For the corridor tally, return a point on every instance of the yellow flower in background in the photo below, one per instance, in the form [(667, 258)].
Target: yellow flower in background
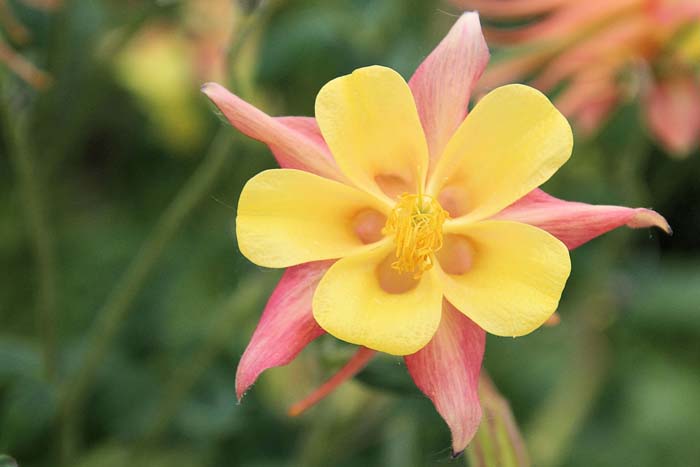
[(155, 68), (164, 60)]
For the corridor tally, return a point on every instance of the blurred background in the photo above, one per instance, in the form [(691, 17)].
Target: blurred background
[(125, 304)]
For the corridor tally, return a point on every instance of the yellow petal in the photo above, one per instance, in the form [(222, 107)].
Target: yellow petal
[(511, 143), (370, 122), (288, 217), (351, 305), (515, 280)]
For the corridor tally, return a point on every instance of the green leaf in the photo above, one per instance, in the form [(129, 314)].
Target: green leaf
[(7, 461), (19, 358), (30, 406), (118, 455), (498, 442)]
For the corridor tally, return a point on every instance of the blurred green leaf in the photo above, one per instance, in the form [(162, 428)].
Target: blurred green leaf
[(569, 402), (19, 358), (7, 461), (30, 406), (115, 455), (671, 287), (108, 179)]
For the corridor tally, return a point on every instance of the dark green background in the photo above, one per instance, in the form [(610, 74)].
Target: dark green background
[(87, 172)]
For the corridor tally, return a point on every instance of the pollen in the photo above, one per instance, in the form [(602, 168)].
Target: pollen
[(416, 224)]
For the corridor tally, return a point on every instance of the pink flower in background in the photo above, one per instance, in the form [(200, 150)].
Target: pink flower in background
[(447, 368), (601, 53)]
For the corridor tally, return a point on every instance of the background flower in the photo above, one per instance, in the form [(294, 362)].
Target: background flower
[(598, 55)]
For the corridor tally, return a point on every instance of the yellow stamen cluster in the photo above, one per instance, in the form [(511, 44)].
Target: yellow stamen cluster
[(416, 223)]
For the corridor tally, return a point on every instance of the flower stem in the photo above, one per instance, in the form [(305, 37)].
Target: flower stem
[(29, 179), (118, 304)]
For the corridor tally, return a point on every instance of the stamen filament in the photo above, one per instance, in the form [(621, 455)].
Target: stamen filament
[(416, 223)]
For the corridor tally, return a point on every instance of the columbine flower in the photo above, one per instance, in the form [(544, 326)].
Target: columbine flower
[(409, 229), (605, 52)]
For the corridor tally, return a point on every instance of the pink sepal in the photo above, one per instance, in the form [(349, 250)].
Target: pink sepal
[(295, 141), (447, 371), (286, 326), (576, 223), (307, 128), (443, 83)]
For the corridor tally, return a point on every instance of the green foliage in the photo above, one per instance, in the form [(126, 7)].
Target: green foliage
[(120, 238)]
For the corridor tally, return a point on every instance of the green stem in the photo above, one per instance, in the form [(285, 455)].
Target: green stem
[(249, 24), (118, 304), (29, 180), (224, 323), (332, 440)]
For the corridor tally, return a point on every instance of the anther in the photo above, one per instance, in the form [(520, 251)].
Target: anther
[(416, 224)]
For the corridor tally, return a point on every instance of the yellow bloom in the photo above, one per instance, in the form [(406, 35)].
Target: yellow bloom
[(407, 228), (434, 238)]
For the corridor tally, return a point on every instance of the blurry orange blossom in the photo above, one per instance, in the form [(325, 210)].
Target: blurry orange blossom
[(601, 53)]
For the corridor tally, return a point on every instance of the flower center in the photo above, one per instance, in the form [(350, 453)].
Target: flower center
[(416, 223)]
